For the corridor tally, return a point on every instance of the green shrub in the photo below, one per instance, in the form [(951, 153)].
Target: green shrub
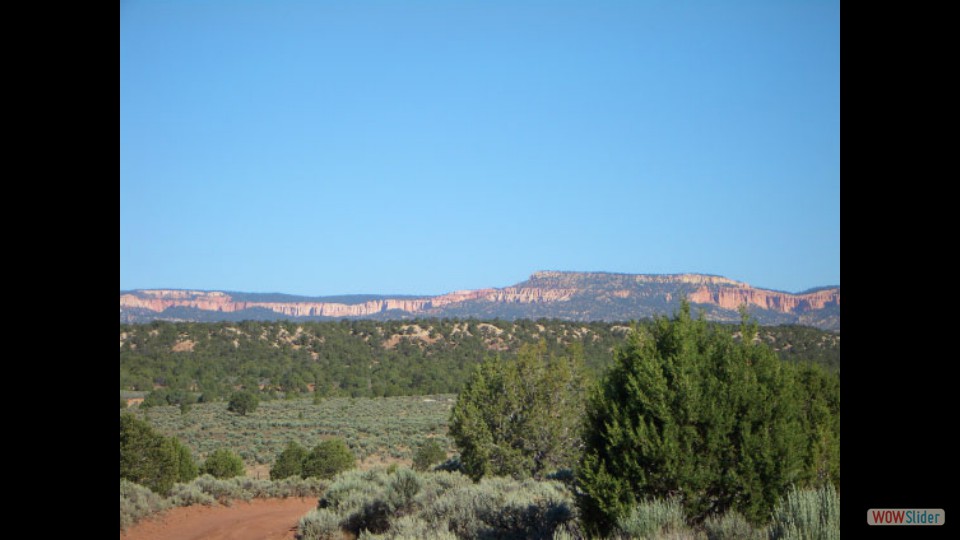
[(462, 510), (401, 490), (351, 490), (528, 514), (223, 463), (373, 516), (410, 528), (807, 515), (503, 508), (407, 504), (245, 488), (320, 524), (653, 519), (138, 502), (731, 526), (289, 462), (328, 459), (297, 487), (361, 500), (428, 454), (190, 495), (243, 402), (221, 490)]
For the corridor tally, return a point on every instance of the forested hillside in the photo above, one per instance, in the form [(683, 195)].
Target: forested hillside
[(186, 361)]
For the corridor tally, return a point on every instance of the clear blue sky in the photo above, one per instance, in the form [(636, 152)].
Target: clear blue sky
[(422, 147)]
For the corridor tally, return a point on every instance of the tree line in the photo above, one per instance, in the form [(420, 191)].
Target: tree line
[(184, 362)]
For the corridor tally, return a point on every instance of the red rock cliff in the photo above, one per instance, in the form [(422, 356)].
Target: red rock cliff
[(543, 287), (159, 300), (734, 297)]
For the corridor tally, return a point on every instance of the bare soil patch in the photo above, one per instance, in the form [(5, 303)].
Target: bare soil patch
[(260, 519)]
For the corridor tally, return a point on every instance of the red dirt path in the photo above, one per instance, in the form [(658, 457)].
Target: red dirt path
[(260, 519)]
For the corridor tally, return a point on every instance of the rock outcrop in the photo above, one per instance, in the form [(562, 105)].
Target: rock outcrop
[(734, 297), (159, 300)]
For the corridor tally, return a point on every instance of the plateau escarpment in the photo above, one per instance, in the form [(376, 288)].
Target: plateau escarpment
[(562, 295)]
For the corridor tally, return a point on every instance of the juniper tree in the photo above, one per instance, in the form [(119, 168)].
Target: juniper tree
[(689, 412), (223, 463), (186, 466), (328, 459), (147, 457), (520, 417), (242, 402), (289, 462)]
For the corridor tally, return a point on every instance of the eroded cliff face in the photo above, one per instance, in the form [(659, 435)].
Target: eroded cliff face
[(543, 288), (781, 302), (158, 300), (627, 279)]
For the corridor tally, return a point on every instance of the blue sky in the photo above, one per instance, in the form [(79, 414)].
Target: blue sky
[(421, 147)]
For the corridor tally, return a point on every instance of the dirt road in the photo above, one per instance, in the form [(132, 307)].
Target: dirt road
[(260, 519)]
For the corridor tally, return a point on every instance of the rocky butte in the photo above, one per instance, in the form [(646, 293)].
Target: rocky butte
[(549, 294)]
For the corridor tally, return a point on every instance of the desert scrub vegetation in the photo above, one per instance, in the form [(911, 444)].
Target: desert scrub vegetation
[(404, 504), (807, 514), (138, 502), (429, 454), (376, 430), (657, 518), (440, 505)]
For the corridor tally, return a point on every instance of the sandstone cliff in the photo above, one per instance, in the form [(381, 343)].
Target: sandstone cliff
[(567, 295)]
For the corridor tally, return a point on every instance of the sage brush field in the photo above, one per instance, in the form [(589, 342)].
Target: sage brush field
[(377, 430), (406, 505)]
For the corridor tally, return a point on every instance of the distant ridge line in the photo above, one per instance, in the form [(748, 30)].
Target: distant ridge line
[(547, 293)]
